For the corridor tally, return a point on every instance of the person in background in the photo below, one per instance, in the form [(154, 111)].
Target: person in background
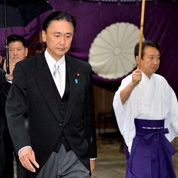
[(146, 109), (17, 51), (52, 92)]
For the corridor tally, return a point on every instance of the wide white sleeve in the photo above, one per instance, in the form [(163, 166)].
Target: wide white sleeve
[(171, 119), (125, 119), (119, 112)]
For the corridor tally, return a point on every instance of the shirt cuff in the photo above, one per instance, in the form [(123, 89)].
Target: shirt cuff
[(92, 158), (23, 148)]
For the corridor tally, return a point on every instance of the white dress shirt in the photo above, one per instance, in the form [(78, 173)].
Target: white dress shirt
[(62, 64)]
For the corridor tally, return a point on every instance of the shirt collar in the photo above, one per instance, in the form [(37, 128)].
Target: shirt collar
[(146, 77), (51, 61)]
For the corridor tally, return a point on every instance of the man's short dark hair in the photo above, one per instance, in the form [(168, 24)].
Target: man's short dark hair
[(145, 44), (14, 38), (59, 15)]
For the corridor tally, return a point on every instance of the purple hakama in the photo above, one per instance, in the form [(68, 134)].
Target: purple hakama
[(151, 151)]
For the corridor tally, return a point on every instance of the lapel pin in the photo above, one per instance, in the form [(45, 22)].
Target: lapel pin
[(77, 76)]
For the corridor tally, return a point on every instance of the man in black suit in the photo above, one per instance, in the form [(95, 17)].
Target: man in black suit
[(50, 115), (17, 51)]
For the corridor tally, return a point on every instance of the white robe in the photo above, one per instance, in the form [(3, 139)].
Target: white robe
[(151, 99)]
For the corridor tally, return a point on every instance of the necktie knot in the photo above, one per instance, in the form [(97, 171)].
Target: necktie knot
[(56, 70)]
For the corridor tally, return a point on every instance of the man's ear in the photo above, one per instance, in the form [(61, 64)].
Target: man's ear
[(43, 35), (26, 52)]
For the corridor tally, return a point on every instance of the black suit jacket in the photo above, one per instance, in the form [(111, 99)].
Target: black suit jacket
[(32, 100), (2, 118), (6, 147)]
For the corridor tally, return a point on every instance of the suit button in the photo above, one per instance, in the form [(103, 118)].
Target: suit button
[(62, 112), (60, 124)]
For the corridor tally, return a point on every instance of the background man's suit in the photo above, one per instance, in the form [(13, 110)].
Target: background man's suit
[(6, 146), (50, 120), (2, 120)]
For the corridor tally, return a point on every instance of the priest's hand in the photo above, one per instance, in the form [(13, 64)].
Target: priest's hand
[(136, 77)]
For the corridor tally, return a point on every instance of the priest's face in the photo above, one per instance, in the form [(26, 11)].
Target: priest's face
[(150, 61)]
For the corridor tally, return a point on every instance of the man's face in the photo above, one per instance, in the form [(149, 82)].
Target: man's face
[(58, 38), (17, 51), (151, 60)]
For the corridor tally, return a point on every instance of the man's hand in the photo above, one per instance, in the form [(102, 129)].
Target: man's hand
[(11, 68), (27, 159), (136, 76), (92, 165)]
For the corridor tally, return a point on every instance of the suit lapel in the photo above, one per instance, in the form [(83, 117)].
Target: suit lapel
[(46, 84), (74, 83)]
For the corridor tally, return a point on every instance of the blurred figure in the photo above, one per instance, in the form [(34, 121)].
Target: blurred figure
[(147, 114), (17, 51)]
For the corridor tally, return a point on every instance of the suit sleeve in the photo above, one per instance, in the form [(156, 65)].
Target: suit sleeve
[(90, 127), (4, 89), (16, 109)]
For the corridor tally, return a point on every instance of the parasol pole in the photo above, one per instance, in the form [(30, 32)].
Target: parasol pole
[(141, 33), (6, 45)]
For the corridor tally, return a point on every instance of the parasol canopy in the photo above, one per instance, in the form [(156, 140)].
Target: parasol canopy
[(20, 13)]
